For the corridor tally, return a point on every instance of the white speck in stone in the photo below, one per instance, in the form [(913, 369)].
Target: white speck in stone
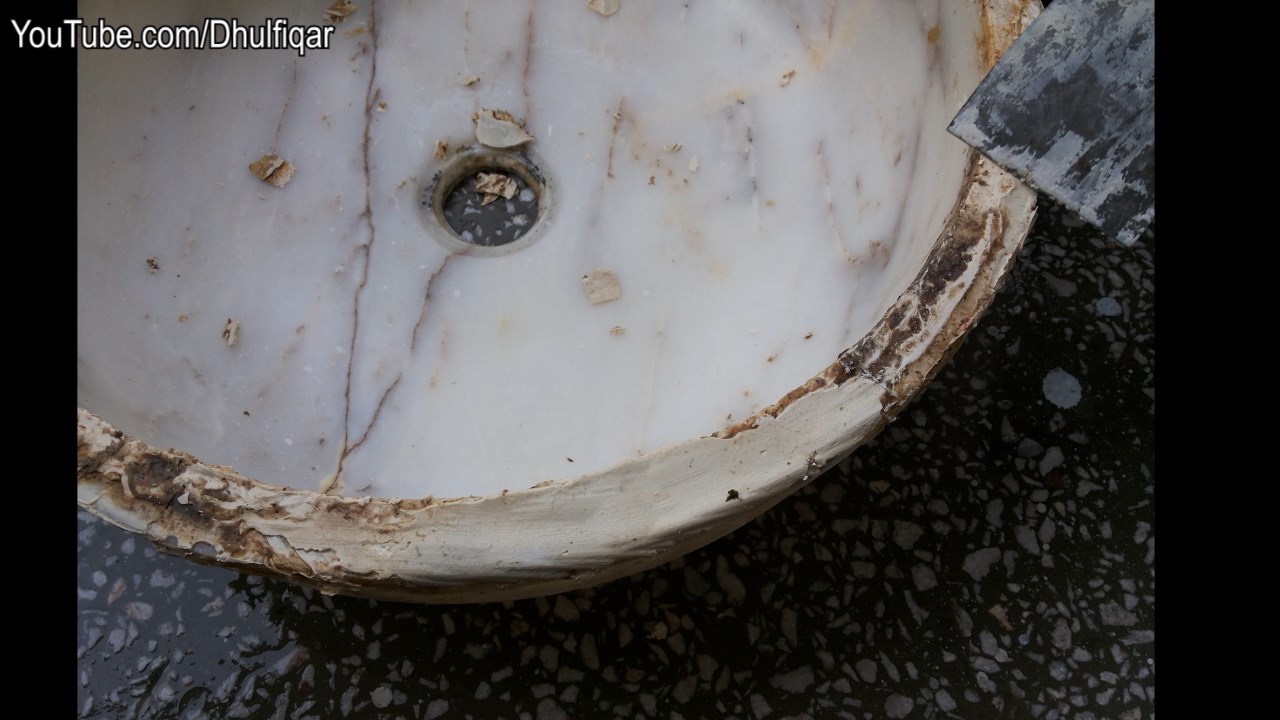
[(905, 534), (979, 562), (1084, 487), (138, 610), (1061, 388), (795, 681), (288, 441), (789, 627), (1107, 306), (866, 670), (946, 703), (1141, 531), (1052, 458), (924, 577), (1065, 288), (898, 706), (587, 649), (889, 667), (995, 511), (437, 708), (550, 657), (1115, 615), (127, 546), (542, 690), (1061, 637), (116, 639), (1047, 530), (1029, 448), (683, 691), (863, 569), (760, 706), (161, 579), (984, 664), (565, 609)]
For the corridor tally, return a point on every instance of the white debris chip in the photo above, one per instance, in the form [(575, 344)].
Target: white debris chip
[(498, 129), (1061, 388), (601, 286), (604, 7)]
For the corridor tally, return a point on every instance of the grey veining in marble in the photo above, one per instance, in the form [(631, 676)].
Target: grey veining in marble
[(757, 221)]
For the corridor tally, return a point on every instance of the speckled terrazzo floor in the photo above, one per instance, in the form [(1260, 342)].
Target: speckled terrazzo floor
[(989, 555)]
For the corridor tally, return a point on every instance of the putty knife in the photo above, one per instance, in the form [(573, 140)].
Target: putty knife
[(1070, 109)]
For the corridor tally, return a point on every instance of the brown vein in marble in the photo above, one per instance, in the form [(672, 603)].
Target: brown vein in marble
[(653, 367), (334, 482), (528, 60), (444, 347), (591, 257), (817, 53), (413, 344), (832, 224), (613, 135), (293, 87), (466, 37), (752, 171), (850, 259)]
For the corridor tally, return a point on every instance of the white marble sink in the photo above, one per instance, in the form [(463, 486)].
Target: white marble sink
[(754, 243)]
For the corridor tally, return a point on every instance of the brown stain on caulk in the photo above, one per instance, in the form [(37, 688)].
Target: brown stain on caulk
[(999, 30)]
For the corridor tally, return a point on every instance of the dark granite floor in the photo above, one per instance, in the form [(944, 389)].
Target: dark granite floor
[(989, 555)]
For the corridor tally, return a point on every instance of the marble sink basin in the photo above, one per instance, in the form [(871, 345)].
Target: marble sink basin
[(493, 300)]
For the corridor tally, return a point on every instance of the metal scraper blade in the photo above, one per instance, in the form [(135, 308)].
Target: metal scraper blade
[(1070, 109)]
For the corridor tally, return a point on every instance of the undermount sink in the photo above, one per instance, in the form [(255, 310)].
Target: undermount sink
[(492, 300)]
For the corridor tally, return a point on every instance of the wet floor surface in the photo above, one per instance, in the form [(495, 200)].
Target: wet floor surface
[(989, 555)]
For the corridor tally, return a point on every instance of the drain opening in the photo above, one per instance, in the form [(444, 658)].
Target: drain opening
[(479, 212), (483, 201)]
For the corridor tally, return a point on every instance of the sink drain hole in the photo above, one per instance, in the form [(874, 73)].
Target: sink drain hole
[(480, 212), (483, 201)]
